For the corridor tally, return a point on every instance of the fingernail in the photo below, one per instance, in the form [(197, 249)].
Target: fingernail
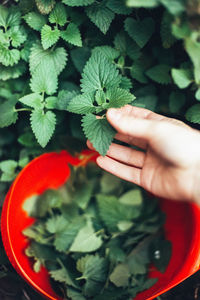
[(114, 114)]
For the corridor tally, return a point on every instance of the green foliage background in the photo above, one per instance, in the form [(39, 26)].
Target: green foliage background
[(150, 47)]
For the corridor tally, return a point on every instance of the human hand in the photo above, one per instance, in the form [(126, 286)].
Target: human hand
[(168, 167)]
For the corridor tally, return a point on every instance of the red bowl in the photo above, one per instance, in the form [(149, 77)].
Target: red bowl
[(51, 170)]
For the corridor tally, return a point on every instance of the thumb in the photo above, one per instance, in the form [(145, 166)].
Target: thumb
[(128, 125)]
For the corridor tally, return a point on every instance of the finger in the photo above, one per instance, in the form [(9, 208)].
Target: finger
[(140, 113), (90, 146), (131, 140), (127, 125), (126, 155), (118, 169)]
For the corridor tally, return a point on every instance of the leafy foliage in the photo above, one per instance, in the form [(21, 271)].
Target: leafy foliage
[(104, 51), (107, 240)]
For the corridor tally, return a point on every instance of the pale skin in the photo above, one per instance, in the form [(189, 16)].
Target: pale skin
[(168, 166)]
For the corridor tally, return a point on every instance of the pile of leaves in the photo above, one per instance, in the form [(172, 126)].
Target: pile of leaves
[(97, 236)]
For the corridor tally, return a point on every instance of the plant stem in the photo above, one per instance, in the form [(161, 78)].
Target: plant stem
[(22, 109)]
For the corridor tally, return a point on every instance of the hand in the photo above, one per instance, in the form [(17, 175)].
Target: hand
[(168, 166)]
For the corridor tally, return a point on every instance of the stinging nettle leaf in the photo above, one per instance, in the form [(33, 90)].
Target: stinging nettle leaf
[(193, 114), (160, 74), (140, 31), (43, 125), (35, 20), (44, 80), (182, 77), (99, 73), (58, 15), (72, 35), (78, 2), (143, 3), (86, 240), (39, 56), (118, 97), (33, 100), (99, 132), (49, 36), (101, 16), (119, 7), (9, 57), (82, 104), (8, 114)]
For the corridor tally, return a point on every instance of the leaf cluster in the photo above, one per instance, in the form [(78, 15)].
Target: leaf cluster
[(84, 57), (97, 236)]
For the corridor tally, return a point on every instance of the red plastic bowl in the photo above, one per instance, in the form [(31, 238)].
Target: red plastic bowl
[(51, 170)]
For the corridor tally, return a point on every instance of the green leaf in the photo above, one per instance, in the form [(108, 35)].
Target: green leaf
[(44, 80), (9, 17), (109, 52), (160, 74), (43, 126), (99, 73), (64, 98), (63, 275), (182, 77), (81, 104), (166, 32), (3, 16), (193, 49), (175, 7), (143, 3), (17, 35), (35, 20), (72, 35), (86, 240), (33, 100), (126, 83), (39, 56), (138, 72), (83, 194), (94, 270), (74, 294), (9, 57), (193, 114), (119, 7), (51, 102), (118, 97), (8, 114), (176, 101), (49, 36), (99, 132), (101, 16), (112, 211), (64, 238), (120, 275), (8, 166), (140, 31), (58, 15), (12, 72), (197, 94), (132, 197), (78, 2)]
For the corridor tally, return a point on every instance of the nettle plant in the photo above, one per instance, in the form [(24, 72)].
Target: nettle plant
[(65, 62)]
